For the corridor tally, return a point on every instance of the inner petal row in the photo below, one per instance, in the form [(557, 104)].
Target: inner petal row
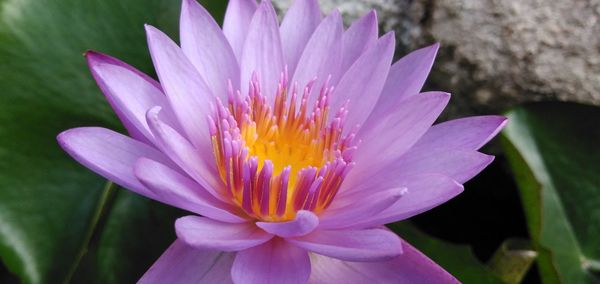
[(276, 159)]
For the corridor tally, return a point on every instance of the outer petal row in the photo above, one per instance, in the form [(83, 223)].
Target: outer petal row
[(204, 44), (181, 263), (297, 27), (409, 267), (262, 52), (237, 20), (110, 154), (130, 93), (361, 85), (322, 55), (395, 132), (189, 95), (274, 262), (279, 262)]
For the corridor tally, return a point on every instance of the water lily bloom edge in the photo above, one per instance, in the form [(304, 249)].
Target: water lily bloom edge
[(294, 143)]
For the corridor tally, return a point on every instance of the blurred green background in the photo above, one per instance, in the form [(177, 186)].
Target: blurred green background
[(60, 223)]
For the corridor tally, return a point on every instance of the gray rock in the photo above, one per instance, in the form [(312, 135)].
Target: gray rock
[(497, 53)]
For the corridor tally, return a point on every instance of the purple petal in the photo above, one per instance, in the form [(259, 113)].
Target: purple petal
[(203, 42), (396, 132), (344, 212), (109, 154), (409, 267), (183, 264), (304, 223), (129, 92), (237, 20), (273, 262), (352, 245), (177, 190), (299, 23), (459, 165), (323, 54), (424, 192), (192, 161), (361, 36), (406, 78), (363, 82), (468, 133), (204, 233), (262, 51), (188, 94)]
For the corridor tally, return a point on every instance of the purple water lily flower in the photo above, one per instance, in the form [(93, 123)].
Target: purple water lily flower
[(294, 144)]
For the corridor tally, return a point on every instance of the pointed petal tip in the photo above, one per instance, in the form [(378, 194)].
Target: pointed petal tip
[(431, 50), (150, 29), (490, 159), (90, 53), (372, 15), (67, 137), (503, 120), (438, 94), (499, 121), (336, 13), (266, 5), (389, 37), (62, 138), (93, 57)]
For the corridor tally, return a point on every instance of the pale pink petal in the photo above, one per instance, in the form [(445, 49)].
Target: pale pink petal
[(203, 42), (304, 223), (204, 233), (262, 51), (344, 212), (237, 20), (322, 55), (352, 245), (408, 268), (298, 25), (361, 36), (394, 134), (274, 262), (363, 82), (109, 154), (177, 190), (424, 191), (188, 158), (468, 133), (460, 165), (181, 263), (188, 94), (129, 92), (406, 78)]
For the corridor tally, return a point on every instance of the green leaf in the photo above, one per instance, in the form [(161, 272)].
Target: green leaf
[(553, 151), (459, 260), (135, 232), (50, 205)]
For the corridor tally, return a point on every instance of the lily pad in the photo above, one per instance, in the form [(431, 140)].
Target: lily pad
[(457, 259), (553, 150)]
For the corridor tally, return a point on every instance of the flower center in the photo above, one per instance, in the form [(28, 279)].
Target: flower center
[(276, 160)]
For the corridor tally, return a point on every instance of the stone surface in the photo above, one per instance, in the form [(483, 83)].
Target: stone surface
[(496, 53)]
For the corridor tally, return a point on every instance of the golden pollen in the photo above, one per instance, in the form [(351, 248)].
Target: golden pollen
[(280, 158)]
